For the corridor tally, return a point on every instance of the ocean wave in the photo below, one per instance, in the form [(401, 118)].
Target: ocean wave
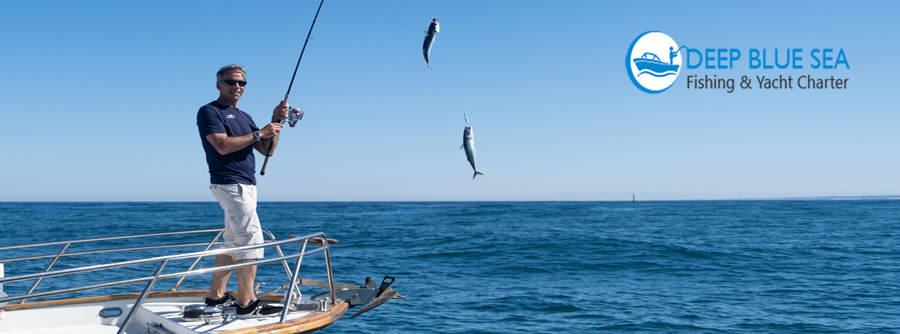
[(541, 267), (664, 74)]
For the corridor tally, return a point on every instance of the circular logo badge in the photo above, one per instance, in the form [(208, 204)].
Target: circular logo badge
[(653, 62)]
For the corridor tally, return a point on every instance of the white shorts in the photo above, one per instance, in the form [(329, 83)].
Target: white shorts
[(241, 222)]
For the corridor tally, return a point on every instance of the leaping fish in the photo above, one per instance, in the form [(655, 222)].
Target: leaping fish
[(433, 29), (469, 145)]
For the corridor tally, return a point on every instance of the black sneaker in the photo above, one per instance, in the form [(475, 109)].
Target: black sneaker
[(257, 309), (226, 301)]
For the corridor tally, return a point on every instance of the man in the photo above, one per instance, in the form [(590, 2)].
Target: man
[(229, 136)]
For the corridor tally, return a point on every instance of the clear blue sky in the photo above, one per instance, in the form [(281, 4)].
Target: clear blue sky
[(100, 100)]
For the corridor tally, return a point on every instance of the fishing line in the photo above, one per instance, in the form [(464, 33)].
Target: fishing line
[(288, 94)]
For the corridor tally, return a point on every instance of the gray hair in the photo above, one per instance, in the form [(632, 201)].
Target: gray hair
[(230, 68)]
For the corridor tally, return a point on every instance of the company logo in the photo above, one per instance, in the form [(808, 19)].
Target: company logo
[(230, 116), (653, 62)]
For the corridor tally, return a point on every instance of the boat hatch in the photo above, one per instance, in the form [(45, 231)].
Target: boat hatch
[(110, 312)]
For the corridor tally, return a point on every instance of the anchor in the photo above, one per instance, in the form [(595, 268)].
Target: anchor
[(355, 295)]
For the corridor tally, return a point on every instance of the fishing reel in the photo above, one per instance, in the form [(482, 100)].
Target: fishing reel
[(293, 116)]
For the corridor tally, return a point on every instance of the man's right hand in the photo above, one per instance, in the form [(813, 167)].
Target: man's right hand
[(270, 130)]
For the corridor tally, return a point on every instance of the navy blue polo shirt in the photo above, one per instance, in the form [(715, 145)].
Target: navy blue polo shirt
[(235, 167)]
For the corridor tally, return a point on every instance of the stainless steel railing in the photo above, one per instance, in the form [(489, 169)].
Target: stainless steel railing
[(66, 244), (163, 261)]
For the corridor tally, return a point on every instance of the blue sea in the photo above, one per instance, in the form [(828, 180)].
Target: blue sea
[(541, 267)]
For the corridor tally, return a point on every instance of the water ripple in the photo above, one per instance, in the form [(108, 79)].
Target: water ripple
[(583, 267)]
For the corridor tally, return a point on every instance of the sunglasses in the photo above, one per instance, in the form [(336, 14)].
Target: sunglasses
[(231, 82)]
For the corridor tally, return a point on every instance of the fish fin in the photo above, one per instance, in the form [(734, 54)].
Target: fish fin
[(476, 174), (461, 146)]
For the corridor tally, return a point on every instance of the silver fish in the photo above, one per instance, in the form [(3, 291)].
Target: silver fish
[(433, 29), (469, 145)]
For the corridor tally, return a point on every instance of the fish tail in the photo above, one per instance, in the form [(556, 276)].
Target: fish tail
[(476, 174)]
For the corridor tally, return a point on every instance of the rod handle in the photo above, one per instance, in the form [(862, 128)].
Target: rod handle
[(269, 151), (265, 163)]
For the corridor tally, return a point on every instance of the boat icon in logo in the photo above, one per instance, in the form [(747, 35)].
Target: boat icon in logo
[(649, 63), (642, 59)]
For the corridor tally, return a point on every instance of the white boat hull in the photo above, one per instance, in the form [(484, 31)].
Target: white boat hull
[(77, 316)]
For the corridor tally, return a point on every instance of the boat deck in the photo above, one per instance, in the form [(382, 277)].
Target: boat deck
[(81, 316), (168, 314)]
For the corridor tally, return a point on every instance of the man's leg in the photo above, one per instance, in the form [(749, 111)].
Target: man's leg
[(229, 197), (246, 277), (220, 278), (242, 229)]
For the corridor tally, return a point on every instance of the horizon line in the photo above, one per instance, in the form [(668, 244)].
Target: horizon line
[(811, 198)]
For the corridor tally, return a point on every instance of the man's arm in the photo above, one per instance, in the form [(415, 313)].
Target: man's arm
[(225, 144), (280, 113), (263, 145)]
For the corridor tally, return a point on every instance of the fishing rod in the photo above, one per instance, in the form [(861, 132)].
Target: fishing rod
[(292, 119)]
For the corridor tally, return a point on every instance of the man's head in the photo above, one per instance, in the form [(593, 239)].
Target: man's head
[(230, 81)]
